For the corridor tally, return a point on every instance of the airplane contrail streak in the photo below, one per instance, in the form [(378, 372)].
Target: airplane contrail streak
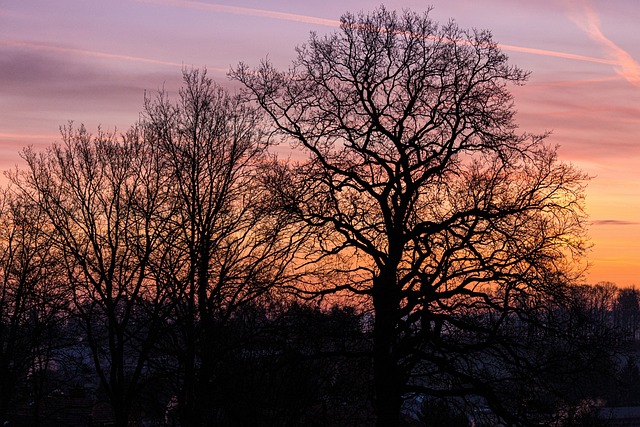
[(237, 10), (545, 52), (84, 52), (216, 7), (625, 66)]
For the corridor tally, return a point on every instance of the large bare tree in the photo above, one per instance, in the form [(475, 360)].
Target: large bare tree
[(424, 197)]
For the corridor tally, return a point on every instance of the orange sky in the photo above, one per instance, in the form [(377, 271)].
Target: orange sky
[(92, 61)]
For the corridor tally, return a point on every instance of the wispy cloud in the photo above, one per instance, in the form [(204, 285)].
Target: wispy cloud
[(587, 19), (26, 136), (613, 222)]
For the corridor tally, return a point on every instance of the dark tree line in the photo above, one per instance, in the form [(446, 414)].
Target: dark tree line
[(420, 262)]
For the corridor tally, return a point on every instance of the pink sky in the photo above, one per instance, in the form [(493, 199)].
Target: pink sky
[(92, 61)]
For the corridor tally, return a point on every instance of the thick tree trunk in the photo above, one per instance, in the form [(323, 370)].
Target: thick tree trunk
[(386, 374)]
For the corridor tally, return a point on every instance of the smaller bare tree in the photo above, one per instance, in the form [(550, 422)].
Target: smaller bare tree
[(230, 246), (103, 200), (31, 303)]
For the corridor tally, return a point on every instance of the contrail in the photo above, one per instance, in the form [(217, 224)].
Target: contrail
[(84, 52), (97, 54), (625, 66), (556, 54), (215, 7)]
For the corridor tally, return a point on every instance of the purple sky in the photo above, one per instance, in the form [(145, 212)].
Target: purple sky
[(91, 61)]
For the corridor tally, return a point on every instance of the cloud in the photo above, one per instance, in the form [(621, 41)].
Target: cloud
[(613, 222), (587, 19), (27, 136), (42, 75), (42, 89)]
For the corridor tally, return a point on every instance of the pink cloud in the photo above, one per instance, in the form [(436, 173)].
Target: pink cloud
[(26, 136)]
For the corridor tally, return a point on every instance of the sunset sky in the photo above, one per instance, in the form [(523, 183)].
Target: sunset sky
[(91, 61)]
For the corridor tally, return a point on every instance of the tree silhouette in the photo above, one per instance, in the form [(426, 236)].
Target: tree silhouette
[(424, 198), (103, 198), (230, 248), (31, 302), (627, 312)]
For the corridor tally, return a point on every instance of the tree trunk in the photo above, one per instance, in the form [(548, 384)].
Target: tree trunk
[(187, 404), (386, 374), (186, 398), (120, 408)]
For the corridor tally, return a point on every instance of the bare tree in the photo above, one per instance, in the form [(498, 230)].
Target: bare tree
[(627, 312), (231, 249), (30, 302), (424, 198), (104, 201)]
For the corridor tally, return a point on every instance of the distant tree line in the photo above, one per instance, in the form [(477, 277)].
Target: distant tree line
[(419, 265)]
